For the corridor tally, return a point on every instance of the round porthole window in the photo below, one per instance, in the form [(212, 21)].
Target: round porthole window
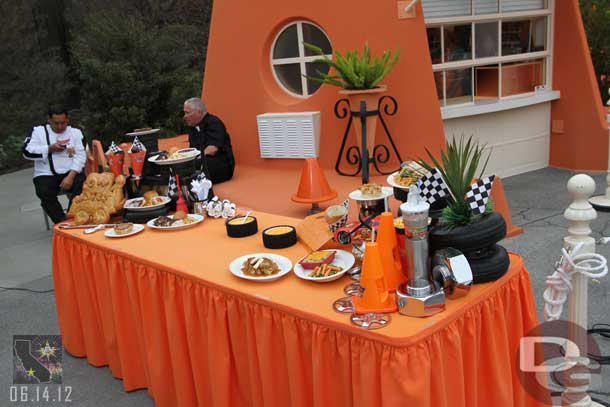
[(290, 60)]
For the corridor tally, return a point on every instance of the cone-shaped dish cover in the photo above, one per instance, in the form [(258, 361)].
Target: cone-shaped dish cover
[(373, 279), (388, 248), (313, 186)]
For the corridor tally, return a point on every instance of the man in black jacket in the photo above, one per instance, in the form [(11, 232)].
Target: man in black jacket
[(208, 134)]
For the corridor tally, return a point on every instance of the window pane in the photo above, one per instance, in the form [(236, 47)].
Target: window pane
[(522, 76), (523, 36), (434, 43), (446, 8), (459, 86), (458, 42), (286, 45), (486, 82), (312, 69), (486, 39), (290, 76), (438, 80), (313, 35), (539, 34), (522, 5), (485, 6)]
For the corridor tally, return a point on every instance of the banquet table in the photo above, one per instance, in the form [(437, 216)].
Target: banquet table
[(162, 310)]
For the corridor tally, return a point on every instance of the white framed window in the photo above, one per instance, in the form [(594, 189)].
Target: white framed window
[(486, 51), (290, 60)]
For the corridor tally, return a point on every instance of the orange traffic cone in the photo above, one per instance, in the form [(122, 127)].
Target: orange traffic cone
[(313, 187), (376, 297), (388, 247)]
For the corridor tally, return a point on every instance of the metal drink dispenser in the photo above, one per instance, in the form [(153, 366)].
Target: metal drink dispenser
[(415, 217), (418, 297)]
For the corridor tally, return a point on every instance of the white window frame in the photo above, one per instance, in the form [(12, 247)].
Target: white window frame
[(502, 102), (302, 59)]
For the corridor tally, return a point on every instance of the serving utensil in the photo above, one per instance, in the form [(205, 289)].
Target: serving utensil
[(89, 226)]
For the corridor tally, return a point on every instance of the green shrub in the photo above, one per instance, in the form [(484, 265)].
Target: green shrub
[(133, 75), (596, 19)]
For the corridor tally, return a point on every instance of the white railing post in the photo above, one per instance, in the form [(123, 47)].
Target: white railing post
[(579, 215)]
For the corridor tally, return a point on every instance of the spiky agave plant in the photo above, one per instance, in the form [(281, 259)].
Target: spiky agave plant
[(354, 70), (458, 165)]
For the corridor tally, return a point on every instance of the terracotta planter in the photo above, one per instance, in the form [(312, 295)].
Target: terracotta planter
[(370, 97)]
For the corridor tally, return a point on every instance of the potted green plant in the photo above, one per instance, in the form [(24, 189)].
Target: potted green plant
[(359, 76), (475, 235)]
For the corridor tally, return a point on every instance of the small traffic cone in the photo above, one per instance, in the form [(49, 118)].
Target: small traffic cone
[(137, 162), (313, 187), (388, 247), (115, 162), (376, 297), (180, 204)]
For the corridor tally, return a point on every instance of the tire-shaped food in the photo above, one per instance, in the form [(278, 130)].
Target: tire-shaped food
[(484, 232), (490, 268)]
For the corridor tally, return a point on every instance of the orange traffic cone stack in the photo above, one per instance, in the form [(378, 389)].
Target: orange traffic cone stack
[(376, 297), (388, 247), (313, 187)]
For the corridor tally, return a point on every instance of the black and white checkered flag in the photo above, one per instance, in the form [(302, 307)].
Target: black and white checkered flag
[(432, 187), (172, 188), (137, 145), (478, 194), (114, 149)]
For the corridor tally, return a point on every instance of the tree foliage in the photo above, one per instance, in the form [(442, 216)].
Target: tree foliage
[(133, 75), (596, 19)]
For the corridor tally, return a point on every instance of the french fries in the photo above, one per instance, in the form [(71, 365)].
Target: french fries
[(325, 270)]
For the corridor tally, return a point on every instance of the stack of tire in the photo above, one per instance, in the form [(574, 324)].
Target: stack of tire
[(478, 241)]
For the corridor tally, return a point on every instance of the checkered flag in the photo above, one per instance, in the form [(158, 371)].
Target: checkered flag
[(432, 187), (172, 188), (114, 149), (478, 194), (137, 145)]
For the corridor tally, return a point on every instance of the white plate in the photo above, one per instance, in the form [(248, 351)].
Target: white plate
[(283, 263), (144, 208), (199, 219), (357, 195), (394, 184), (191, 155), (136, 229), (142, 132), (342, 259)]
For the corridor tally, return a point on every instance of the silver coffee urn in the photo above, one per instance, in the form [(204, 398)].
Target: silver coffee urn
[(419, 296)]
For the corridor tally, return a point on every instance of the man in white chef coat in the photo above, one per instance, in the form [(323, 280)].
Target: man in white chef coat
[(58, 152)]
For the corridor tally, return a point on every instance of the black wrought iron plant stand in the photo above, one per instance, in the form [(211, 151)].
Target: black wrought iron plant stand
[(386, 105)]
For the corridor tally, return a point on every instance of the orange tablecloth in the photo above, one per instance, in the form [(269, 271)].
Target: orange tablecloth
[(163, 311)]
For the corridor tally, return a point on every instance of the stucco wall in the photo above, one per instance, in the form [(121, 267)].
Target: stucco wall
[(238, 82)]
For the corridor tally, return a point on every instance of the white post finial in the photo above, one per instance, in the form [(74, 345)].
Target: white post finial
[(580, 213)]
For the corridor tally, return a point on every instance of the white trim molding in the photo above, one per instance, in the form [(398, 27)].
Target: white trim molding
[(490, 106)]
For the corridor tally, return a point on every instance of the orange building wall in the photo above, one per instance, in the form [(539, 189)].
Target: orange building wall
[(579, 138), (238, 81)]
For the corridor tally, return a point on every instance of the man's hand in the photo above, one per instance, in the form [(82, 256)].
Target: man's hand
[(210, 150), (66, 183), (56, 148)]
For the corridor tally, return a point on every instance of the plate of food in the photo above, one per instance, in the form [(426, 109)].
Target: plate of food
[(260, 267), (369, 192), (322, 266), (151, 200), (123, 230), (142, 132), (175, 156), (178, 220), (410, 172)]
